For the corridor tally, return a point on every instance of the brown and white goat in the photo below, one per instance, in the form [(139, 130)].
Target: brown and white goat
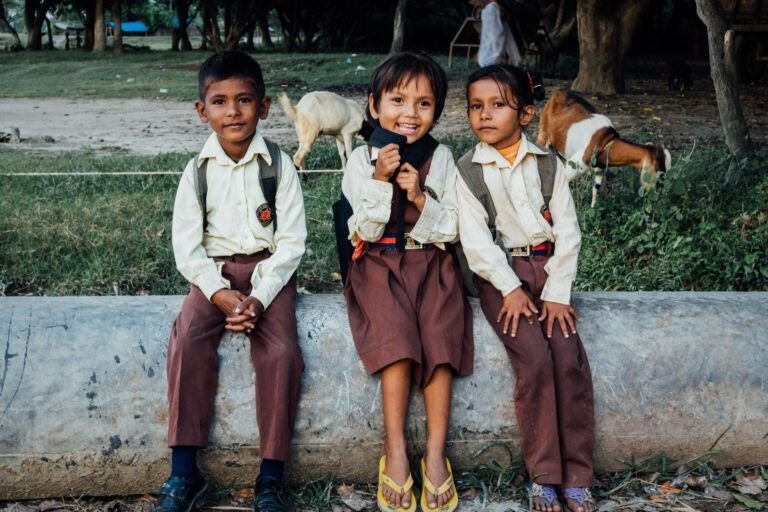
[(572, 126), (323, 113)]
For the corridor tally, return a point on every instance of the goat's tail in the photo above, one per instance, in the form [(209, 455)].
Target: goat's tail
[(285, 103)]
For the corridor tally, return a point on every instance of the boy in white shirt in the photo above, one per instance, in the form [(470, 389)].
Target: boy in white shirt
[(238, 235)]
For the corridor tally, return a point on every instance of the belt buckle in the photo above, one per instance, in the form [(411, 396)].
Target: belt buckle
[(520, 251), (410, 243)]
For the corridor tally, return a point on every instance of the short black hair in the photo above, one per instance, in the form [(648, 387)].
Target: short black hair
[(400, 68), (523, 86), (230, 64)]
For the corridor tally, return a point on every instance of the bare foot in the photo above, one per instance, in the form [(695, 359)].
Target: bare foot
[(437, 473), (398, 469)]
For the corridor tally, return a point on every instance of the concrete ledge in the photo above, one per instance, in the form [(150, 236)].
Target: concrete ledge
[(83, 408)]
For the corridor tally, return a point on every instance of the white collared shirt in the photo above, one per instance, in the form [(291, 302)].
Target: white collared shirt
[(516, 193), (371, 199), (234, 196)]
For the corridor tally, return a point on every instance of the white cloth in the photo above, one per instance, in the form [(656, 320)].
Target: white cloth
[(234, 196), (497, 44), (371, 199), (516, 193)]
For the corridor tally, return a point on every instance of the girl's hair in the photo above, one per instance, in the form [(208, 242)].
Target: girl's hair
[(399, 69), (523, 86)]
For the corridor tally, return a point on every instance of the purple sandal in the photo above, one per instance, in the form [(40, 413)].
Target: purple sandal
[(578, 494), (547, 493)]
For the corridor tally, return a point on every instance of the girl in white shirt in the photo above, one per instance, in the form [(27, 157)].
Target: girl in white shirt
[(408, 315), (524, 268)]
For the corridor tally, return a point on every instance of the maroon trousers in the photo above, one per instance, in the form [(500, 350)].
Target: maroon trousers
[(553, 396), (192, 364)]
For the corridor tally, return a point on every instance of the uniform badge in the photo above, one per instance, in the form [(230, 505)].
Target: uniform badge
[(431, 193), (264, 214)]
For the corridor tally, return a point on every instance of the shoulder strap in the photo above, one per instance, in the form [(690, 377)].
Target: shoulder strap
[(201, 187), (269, 176), (472, 173), (547, 165)]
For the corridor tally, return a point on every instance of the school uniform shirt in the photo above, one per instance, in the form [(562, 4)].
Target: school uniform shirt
[(371, 199), (234, 196), (516, 193)]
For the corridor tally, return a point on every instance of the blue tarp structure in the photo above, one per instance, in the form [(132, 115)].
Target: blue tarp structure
[(131, 26)]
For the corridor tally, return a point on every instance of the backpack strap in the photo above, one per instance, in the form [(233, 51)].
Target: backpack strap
[(547, 165), (200, 181), (269, 179), (269, 176), (472, 172)]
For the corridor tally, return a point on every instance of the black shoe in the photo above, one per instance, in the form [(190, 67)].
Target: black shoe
[(266, 496), (179, 494)]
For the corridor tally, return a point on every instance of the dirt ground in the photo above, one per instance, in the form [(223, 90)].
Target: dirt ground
[(647, 112)]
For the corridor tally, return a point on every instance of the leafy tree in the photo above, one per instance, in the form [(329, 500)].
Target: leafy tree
[(34, 17)]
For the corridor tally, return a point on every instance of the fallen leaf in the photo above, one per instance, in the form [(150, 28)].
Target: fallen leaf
[(245, 493), (49, 505), (749, 502), (471, 493), (747, 483), (664, 489), (335, 507), (345, 491), (718, 493)]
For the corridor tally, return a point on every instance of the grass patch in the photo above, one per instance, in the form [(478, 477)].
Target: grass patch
[(79, 74), (99, 235)]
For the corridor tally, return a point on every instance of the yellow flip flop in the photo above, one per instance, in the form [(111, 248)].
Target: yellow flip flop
[(429, 487), (384, 506)]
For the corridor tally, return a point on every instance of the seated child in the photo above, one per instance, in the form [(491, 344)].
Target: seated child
[(238, 235), (522, 241)]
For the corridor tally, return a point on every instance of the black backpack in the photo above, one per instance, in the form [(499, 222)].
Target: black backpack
[(472, 173), (269, 178)]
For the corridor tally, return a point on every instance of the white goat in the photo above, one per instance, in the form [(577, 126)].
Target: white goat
[(323, 113)]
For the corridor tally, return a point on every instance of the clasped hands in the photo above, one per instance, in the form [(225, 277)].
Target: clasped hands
[(242, 311), (407, 179)]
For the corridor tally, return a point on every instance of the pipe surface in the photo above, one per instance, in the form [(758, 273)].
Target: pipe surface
[(83, 392)]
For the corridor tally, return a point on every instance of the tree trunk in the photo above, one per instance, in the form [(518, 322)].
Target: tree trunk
[(180, 38), (34, 17), (211, 24), (723, 71), (50, 33), (266, 39), (11, 30), (563, 26), (117, 33), (99, 36), (605, 35), (398, 33)]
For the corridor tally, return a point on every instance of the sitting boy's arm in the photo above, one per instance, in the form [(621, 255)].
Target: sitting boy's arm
[(561, 267), (272, 274), (484, 257), (187, 237)]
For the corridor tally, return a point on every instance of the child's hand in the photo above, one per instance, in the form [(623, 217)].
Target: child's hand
[(516, 303), (228, 301), (563, 313), (387, 162), (408, 180), (247, 314)]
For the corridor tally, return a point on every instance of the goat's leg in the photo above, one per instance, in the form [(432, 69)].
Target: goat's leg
[(305, 146), (596, 187), (340, 149)]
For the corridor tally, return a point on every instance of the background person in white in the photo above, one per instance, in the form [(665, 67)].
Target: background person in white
[(497, 44)]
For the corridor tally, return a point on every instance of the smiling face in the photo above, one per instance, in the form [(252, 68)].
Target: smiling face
[(408, 109), (233, 109), (495, 117)]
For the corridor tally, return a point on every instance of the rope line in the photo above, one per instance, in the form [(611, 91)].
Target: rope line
[(140, 173)]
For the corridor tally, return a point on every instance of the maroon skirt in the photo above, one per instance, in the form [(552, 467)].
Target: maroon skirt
[(409, 305)]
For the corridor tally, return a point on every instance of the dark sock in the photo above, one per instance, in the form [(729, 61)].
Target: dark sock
[(184, 461), (272, 469)]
